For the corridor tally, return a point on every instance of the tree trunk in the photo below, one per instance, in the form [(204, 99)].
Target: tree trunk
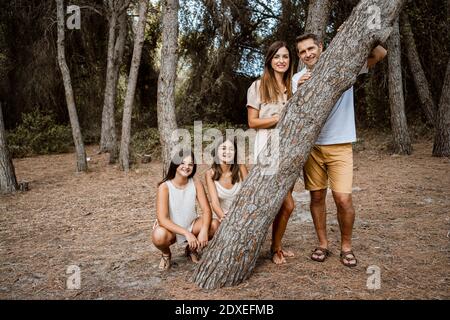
[(166, 81), (106, 137), (441, 146), (118, 54), (74, 123), (317, 20), (131, 88), (402, 141), (232, 254), (420, 80), (318, 14), (116, 44), (8, 181)]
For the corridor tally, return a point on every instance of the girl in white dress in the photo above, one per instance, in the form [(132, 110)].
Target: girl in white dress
[(177, 219), (224, 179)]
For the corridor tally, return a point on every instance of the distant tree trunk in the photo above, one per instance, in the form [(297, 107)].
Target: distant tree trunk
[(131, 88), (107, 133), (317, 20), (76, 132), (232, 254), (420, 80), (402, 141), (441, 146), (438, 116), (8, 181), (166, 81), (119, 49), (318, 14), (117, 17)]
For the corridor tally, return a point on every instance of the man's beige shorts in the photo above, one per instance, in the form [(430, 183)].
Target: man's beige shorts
[(330, 162)]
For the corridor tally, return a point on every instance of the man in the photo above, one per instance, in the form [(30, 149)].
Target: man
[(331, 158)]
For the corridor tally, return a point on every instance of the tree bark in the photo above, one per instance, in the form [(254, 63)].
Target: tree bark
[(318, 14), (402, 141), (116, 44), (166, 81), (232, 254), (107, 133), (441, 145), (420, 80), (131, 88), (8, 181), (76, 131), (316, 21)]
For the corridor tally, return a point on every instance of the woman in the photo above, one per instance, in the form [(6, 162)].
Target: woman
[(225, 177), (266, 99), (177, 219)]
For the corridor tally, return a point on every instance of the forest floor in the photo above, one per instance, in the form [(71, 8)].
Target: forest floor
[(101, 222)]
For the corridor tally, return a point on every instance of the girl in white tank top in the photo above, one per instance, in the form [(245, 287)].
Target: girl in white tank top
[(177, 220), (224, 179), (182, 210)]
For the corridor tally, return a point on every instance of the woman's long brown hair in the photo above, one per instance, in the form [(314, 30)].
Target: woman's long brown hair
[(269, 90)]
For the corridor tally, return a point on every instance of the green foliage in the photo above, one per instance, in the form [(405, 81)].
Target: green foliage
[(39, 134), (221, 51), (145, 141)]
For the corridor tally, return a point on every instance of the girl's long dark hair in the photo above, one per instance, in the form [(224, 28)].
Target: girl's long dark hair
[(182, 154), (235, 172), (269, 90)]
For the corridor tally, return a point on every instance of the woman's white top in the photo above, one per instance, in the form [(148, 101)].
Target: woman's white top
[(266, 110), (226, 196), (182, 208)]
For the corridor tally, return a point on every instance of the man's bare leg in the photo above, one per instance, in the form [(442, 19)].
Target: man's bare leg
[(318, 213), (346, 219)]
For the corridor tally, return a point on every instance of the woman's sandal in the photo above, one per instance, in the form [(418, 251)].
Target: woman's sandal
[(287, 253), (164, 264), (350, 257), (320, 254), (192, 255), (278, 257)]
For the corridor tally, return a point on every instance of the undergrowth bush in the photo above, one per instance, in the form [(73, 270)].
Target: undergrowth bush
[(39, 134)]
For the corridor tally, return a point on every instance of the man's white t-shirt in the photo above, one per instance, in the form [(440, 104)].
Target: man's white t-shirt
[(340, 125)]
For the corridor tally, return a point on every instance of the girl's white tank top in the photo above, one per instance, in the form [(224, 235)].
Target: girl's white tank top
[(182, 208), (226, 196)]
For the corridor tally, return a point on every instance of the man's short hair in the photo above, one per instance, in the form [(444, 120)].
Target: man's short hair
[(317, 40)]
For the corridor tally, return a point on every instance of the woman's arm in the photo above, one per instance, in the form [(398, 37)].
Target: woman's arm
[(243, 170), (162, 211), (206, 213), (255, 122), (215, 203)]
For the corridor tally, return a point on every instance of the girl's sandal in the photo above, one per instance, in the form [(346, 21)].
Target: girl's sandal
[(192, 255), (320, 254), (348, 259), (164, 264)]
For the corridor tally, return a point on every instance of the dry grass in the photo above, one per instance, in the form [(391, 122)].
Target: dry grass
[(101, 221)]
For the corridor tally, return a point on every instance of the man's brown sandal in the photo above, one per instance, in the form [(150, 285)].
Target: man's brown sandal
[(164, 264), (320, 254), (348, 259)]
